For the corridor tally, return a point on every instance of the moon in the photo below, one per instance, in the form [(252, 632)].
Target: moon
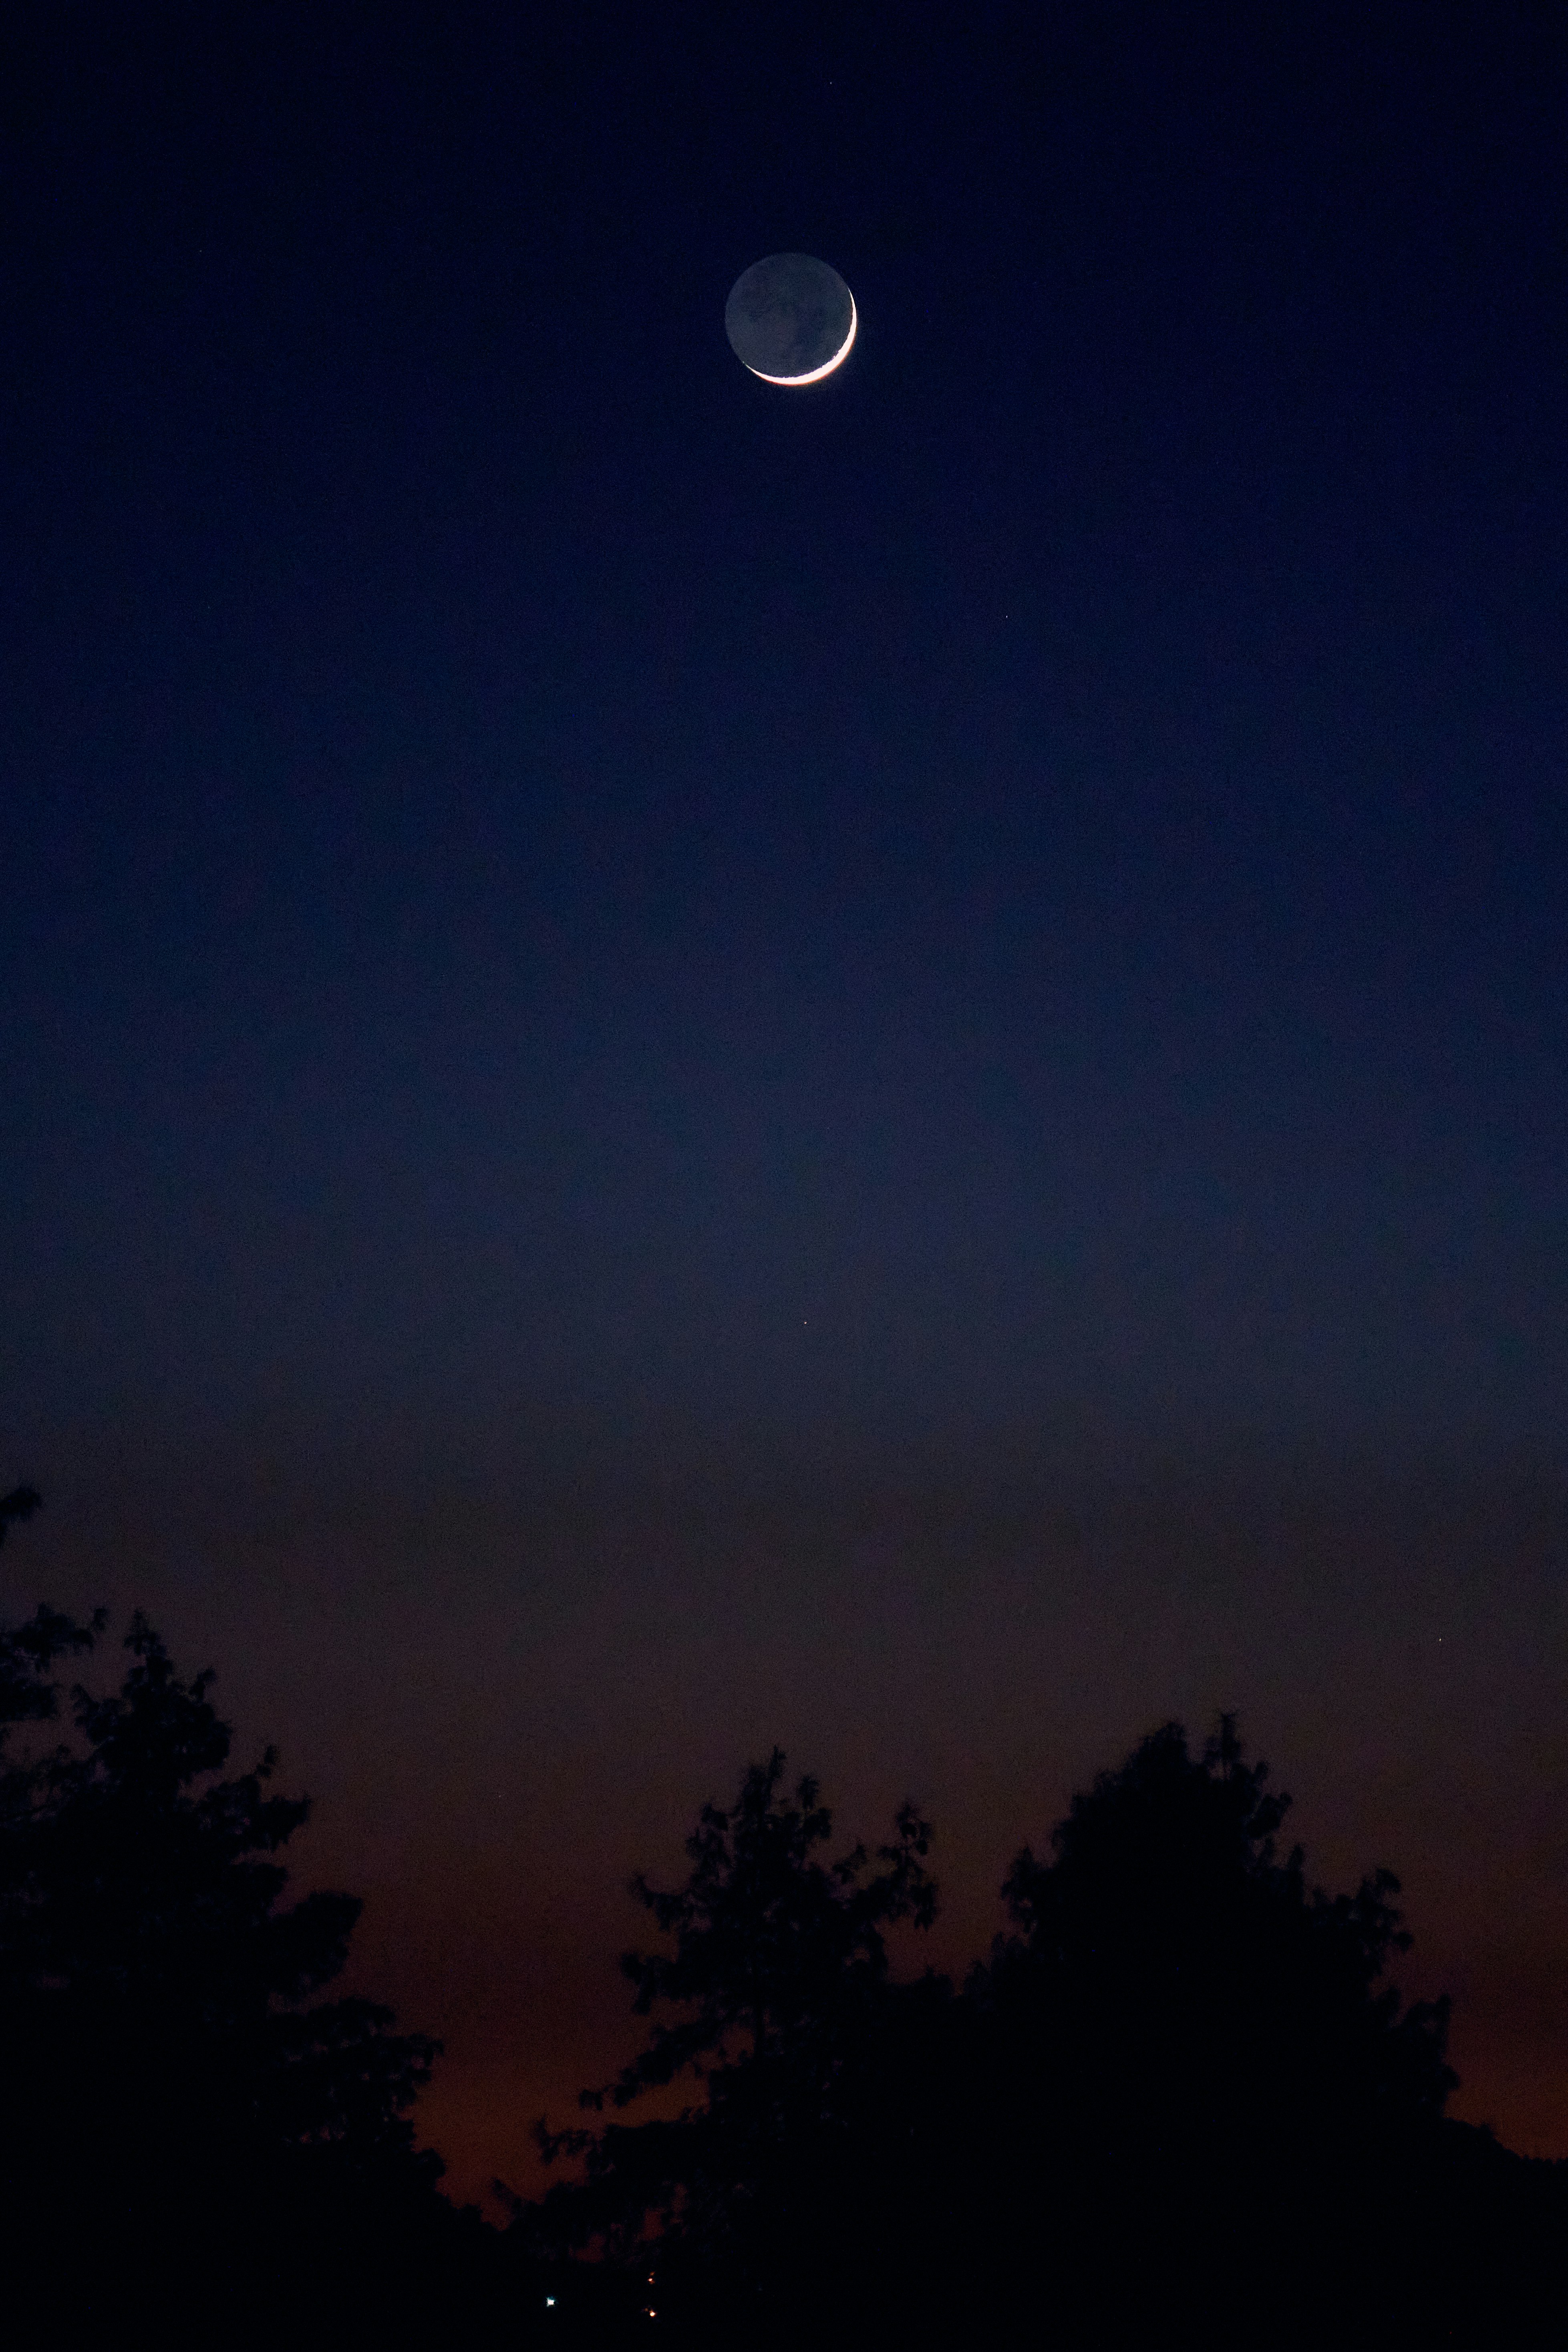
[(790, 318)]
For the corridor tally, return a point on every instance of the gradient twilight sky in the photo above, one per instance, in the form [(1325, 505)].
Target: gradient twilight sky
[(883, 1067)]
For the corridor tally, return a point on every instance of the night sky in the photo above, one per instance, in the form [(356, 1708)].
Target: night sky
[(884, 1067)]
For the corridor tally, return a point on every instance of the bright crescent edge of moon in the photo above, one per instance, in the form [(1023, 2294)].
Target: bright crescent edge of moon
[(815, 375)]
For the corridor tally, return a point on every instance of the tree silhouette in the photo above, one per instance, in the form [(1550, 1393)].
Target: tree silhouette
[(151, 1917), (773, 1948), (1206, 2102), (1203, 1980), (19, 1503), (172, 2080), (779, 1981), (1181, 2101)]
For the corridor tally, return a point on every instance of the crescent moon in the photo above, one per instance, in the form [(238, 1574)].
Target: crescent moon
[(815, 375)]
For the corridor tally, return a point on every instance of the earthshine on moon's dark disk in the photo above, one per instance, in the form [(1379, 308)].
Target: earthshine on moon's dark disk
[(790, 318)]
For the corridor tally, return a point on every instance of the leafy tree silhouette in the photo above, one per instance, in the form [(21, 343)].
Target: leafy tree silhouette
[(19, 1503), (153, 1916), (1202, 1978), (773, 1948), (1182, 2098), (1181, 2101), (779, 1979), (1205, 2100), (174, 2085)]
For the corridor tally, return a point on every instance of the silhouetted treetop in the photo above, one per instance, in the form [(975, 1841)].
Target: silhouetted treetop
[(1181, 2104), (27, 1692), (193, 2143), (778, 1978), (19, 1503), (1195, 1962), (1182, 2101), (149, 1965), (148, 1870), (770, 1941)]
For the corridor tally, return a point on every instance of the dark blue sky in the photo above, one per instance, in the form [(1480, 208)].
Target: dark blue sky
[(573, 916)]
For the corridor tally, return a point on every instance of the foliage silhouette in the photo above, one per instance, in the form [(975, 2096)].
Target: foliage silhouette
[(779, 1977), (1186, 2050), (175, 2091), (1181, 2100), (19, 1503), (1202, 1980), (771, 1944)]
